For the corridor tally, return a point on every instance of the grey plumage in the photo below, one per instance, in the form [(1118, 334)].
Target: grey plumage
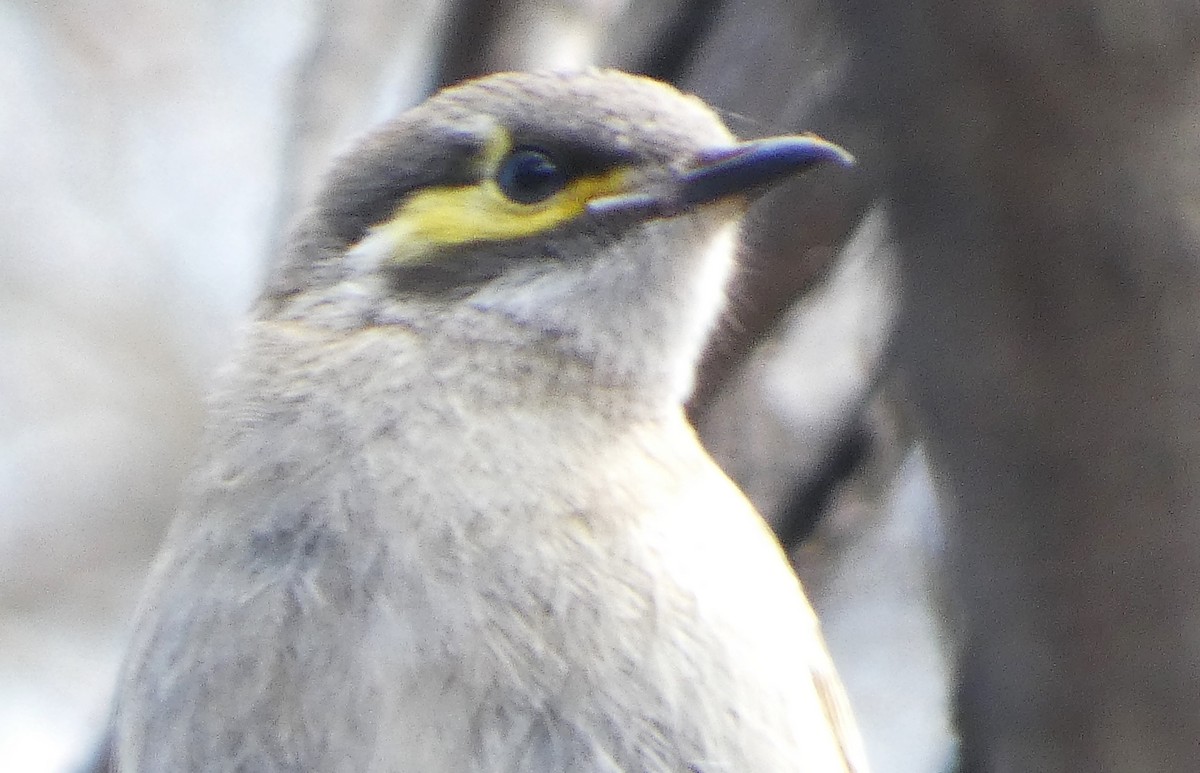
[(472, 530)]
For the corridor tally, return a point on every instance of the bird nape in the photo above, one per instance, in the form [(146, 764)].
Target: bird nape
[(448, 513)]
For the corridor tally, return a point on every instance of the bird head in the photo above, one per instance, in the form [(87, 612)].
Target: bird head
[(592, 211)]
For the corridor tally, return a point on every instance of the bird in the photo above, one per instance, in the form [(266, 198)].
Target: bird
[(448, 512)]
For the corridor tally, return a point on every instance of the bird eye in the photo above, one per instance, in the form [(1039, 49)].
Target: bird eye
[(528, 176)]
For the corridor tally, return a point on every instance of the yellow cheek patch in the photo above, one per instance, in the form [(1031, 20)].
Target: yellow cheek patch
[(436, 218)]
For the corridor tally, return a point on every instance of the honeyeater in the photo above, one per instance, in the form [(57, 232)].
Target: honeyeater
[(449, 515)]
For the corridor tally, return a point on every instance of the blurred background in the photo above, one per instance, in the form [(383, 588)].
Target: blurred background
[(961, 381)]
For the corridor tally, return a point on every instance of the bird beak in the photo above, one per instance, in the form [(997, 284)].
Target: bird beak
[(744, 169)]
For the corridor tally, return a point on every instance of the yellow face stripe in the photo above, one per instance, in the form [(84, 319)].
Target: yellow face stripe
[(435, 218)]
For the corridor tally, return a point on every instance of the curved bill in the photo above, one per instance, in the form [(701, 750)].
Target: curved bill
[(739, 170)]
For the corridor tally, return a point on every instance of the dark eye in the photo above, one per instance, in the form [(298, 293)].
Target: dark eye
[(528, 176)]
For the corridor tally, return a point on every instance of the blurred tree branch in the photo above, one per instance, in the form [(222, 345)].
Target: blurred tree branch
[(1041, 158)]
